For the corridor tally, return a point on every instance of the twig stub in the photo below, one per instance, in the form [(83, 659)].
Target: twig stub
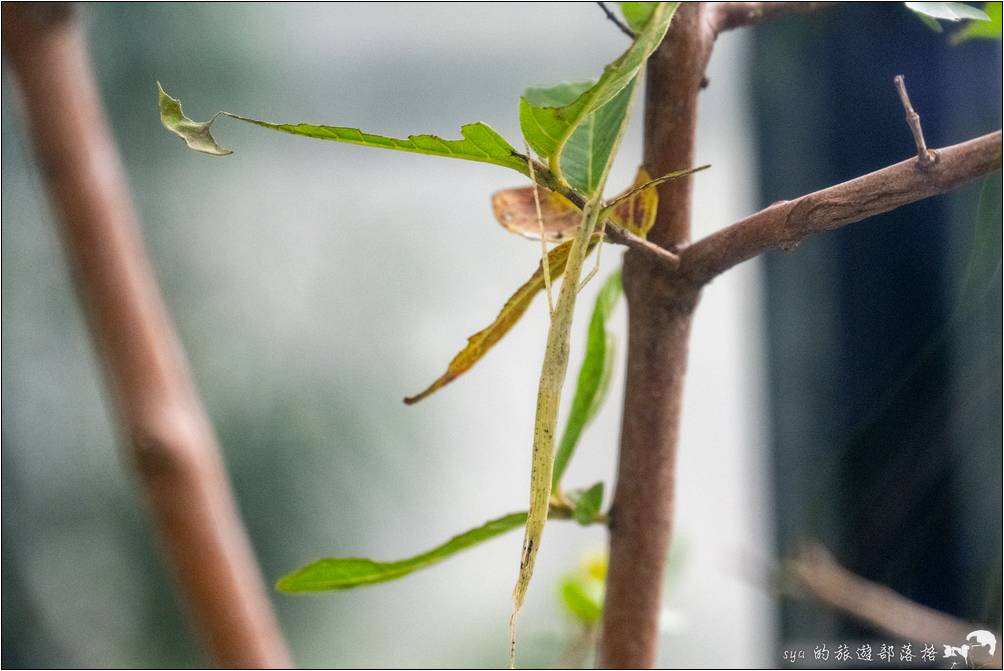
[(925, 156)]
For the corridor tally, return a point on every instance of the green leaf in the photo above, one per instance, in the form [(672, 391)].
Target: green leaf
[(479, 141), (930, 23), (637, 14), (195, 134), (588, 504), (985, 257), (581, 591), (588, 149), (974, 30), (346, 573), (582, 599), (549, 127), (594, 375), (947, 11)]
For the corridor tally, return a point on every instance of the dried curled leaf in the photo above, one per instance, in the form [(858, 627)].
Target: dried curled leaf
[(515, 210), (195, 133), (636, 213)]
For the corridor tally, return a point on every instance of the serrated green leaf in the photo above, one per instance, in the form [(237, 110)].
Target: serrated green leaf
[(588, 149), (594, 375), (637, 14), (479, 141), (195, 134), (947, 11), (558, 95), (346, 573), (588, 504), (989, 30), (549, 128), (590, 144)]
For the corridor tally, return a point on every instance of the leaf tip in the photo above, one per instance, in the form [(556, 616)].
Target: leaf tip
[(286, 584)]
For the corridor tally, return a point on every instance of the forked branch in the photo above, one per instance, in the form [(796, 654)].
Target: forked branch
[(729, 15)]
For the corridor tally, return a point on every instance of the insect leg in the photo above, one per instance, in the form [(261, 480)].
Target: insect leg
[(599, 249), (545, 265)]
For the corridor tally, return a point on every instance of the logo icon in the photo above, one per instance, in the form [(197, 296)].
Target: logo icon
[(980, 645)]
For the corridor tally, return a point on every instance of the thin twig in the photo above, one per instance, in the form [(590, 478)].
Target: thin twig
[(817, 574), (616, 21), (785, 223), (171, 443), (925, 156), (729, 15)]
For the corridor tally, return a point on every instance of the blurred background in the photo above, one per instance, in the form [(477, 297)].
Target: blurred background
[(837, 393)]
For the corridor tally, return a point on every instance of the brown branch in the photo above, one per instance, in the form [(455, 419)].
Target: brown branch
[(925, 156), (661, 303), (724, 16), (818, 574), (784, 224), (171, 442), (659, 316)]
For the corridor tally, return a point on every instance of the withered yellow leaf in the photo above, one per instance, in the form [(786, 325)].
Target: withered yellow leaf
[(514, 308)]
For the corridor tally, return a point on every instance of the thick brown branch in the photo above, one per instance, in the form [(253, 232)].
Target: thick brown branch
[(172, 443), (784, 224), (724, 16), (659, 317), (817, 573)]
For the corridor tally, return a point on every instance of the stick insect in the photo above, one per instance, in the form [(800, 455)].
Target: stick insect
[(577, 128)]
